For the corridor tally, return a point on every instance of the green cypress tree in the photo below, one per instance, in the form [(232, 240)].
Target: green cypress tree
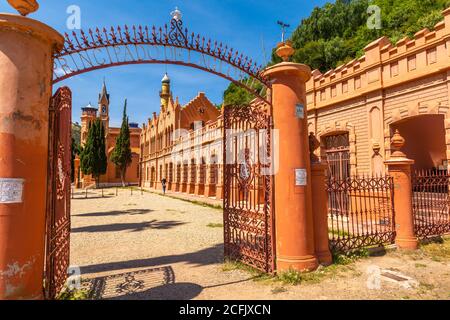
[(121, 155), (93, 159)]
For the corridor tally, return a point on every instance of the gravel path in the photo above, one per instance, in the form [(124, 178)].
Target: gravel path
[(153, 247)]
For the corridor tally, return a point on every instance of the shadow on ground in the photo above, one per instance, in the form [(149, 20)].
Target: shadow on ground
[(147, 284), (203, 257), (132, 227), (115, 213)]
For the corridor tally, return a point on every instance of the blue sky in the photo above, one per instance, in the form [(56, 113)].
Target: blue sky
[(247, 25)]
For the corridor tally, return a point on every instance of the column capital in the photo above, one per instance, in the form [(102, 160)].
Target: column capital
[(288, 69)]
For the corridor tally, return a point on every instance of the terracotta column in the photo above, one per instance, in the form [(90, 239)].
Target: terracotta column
[(219, 182), (76, 165), (399, 167), (197, 188), (208, 180), (26, 65), (320, 213), (293, 212)]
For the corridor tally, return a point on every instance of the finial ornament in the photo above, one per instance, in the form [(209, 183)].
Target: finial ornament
[(176, 14), (285, 50), (397, 143), (25, 7)]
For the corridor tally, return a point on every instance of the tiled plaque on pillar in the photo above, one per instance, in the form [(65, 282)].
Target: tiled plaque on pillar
[(11, 190)]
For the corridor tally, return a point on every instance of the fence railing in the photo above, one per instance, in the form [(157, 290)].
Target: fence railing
[(360, 212), (431, 203)]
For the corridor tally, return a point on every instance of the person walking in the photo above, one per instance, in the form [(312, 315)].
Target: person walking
[(164, 185)]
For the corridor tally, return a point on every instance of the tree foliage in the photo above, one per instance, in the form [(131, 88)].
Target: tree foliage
[(337, 32), (93, 160), (235, 95), (121, 155)]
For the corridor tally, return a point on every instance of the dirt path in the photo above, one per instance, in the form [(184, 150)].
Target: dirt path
[(152, 247)]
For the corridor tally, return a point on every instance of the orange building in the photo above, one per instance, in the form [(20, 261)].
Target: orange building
[(112, 176), (174, 147), (354, 109)]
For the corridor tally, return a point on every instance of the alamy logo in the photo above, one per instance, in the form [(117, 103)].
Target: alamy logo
[(374, 278), (74, 20), (374, 20), (74, 279)]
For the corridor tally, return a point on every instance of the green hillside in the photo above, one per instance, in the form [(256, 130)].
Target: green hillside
[(337, 32)]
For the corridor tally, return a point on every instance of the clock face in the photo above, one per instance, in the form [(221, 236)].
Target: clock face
[(103, 109)]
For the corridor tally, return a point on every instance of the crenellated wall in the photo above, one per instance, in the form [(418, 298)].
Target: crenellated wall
[(390, 83)]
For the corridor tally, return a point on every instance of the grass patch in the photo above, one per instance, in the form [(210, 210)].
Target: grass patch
[(341, 268), (174, 211), (340, 233), (425, 287), (349, 257), (420, 265), (215, 225), (68, 294), (278, 290), (230, 265), (438, 251)]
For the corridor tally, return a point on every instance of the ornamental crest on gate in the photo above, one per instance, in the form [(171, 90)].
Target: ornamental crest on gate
[(245, 175), (61, 175)]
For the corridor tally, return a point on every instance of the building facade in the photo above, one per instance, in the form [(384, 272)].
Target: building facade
[(353, 112), (354, 109), (179, 145), (112, 176)]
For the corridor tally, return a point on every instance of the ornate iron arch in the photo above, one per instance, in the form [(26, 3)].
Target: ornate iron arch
[(98, 49)]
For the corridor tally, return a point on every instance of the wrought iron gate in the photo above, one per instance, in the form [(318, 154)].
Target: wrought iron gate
[(58, 195), (249, 226)]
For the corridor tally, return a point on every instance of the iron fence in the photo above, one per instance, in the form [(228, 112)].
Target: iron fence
[(360, 212), (431, 203)]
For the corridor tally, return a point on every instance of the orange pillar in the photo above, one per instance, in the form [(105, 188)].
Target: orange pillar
[(320, 213), (293, 213), (26, 48), (77, 172), (399, 167)]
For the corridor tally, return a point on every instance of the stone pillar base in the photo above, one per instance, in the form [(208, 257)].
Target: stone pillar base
[(320, 213), (325, 257), (300, 264), (407, 243)]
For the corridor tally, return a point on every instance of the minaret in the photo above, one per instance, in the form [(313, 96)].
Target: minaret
[(103, 106), (165, 93)]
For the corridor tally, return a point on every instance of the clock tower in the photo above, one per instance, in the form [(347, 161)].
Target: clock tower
[(103, 107)]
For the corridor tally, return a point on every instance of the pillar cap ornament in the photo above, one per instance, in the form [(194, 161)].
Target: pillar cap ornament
[(285, 50), (397, 143), (24, 7)]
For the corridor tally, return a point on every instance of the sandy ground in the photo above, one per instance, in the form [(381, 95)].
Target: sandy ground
[(153, 247)]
